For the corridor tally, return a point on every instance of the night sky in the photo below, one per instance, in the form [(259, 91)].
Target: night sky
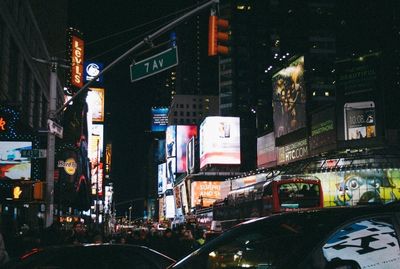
[(110, 28)]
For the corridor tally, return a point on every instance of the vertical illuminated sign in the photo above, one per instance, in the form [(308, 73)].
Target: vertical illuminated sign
[(77, 62)]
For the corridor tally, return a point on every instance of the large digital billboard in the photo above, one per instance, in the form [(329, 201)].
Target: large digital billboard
[(12, 163), (205, 193), (190, 156), (359, 120), (266, 151), (162, 178), (220, 141), (348, 188), (169, 204), (183, 135), (159, 119), (95, 101), (293, 152), (289, 98)]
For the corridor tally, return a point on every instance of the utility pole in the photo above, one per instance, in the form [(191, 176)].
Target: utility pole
[(49, 197)]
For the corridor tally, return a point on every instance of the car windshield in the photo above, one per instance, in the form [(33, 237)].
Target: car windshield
[(255, 244)]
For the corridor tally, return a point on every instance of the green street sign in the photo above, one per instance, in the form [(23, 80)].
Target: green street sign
[(154, 64)]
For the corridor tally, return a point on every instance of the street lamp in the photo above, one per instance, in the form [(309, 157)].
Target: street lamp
[(130, 215)]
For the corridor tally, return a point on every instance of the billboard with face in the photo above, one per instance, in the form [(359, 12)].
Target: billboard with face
[(359, 120), (220, 141), (348, 188), (183, 135), (159, 119), (13, 164), (289, 98)]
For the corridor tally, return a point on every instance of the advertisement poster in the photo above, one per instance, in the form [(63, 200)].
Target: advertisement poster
[(323, 131), (350, 188), (190, 156), (95, 101), (183, 135), (162, 178), (220, 141), (171, 171), (170, 143), (12, 163), (169, 204), (289, 98), (359, 120), (266, 151), (205, 193), (159, 119), (293, 152)]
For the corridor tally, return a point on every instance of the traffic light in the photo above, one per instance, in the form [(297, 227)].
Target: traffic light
[(218, 36), (38, 190)]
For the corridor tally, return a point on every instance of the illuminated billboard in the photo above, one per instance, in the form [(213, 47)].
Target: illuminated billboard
[(162, 178), (359, 120), (183, 135), (95, 153), (349, 188), (13, 164), (159, 119), (169, 204), (170, 143), (92, 69), (171, 171), (77, 58), (159, 151), (205, 193), (266, 151), (220, 141), (289, 98), (190, 156), (95, 101), (293, 152)]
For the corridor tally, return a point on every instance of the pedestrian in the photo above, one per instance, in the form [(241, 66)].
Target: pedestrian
[(3, 252)]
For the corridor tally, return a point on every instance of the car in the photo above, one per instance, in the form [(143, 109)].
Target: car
[(99, 256), (364, 236)]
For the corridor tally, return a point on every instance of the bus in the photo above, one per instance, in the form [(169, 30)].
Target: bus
[(279, 194)]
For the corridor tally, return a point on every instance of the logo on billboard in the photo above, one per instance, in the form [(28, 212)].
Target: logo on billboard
[(69, 166), (92, 70), (293, 152), (77, 62)]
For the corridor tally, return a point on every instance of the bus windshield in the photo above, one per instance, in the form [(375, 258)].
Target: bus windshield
[(298, 195)]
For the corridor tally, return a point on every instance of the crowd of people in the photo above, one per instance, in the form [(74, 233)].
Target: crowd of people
[(175, 243)]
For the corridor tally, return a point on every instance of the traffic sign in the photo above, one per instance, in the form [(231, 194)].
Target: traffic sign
[(55, 128), (154, 64), (34, 153)]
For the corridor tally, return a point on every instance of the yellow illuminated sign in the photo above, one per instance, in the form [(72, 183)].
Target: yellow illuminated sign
[(17, 192), (2, 124)]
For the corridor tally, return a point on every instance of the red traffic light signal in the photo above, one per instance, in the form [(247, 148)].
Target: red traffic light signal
[(217, 36)]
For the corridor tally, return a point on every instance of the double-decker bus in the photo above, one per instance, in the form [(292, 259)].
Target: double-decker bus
[(282, 193)]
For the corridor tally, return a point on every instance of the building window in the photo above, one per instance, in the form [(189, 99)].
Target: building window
[(194, 106), (175, 113), (194, 114), (187, 113), (181, 113), (175, 121), (181, 105), (188, 121), (181, 121), (187, 105)]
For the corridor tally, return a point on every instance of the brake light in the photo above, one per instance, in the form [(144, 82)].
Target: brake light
[(30, 253)]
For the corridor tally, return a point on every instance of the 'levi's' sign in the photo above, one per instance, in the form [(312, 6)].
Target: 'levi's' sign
[(77, 62)]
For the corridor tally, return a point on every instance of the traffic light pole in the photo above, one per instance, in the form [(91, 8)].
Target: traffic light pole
[(145, 41), (53, 112)]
